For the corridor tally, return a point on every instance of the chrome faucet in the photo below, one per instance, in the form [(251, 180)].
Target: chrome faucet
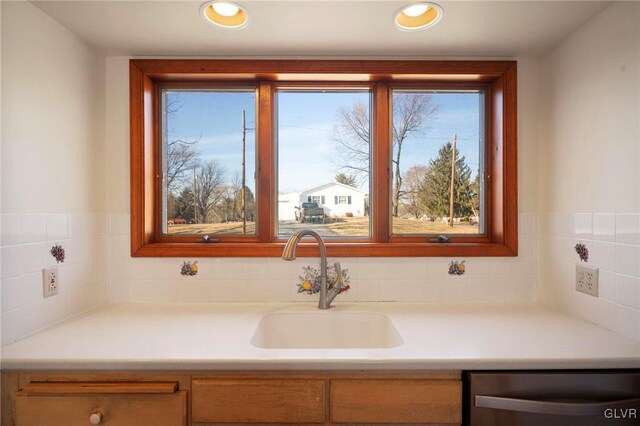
[(326, 294)]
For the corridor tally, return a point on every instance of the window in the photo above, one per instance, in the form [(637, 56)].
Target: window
[(437, 162), (209, 161), (323, 147), (383, 158)]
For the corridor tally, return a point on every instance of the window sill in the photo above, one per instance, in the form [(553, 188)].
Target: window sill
[(333, 250)]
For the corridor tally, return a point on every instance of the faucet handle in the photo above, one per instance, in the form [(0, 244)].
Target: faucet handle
[(338, 284)]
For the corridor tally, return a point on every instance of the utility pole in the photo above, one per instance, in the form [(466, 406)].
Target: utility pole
[(242, 192), (195, 210), (453, 178)]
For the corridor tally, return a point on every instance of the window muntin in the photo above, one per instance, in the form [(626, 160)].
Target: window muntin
[(323, 152), (427, 126), (208, 151)]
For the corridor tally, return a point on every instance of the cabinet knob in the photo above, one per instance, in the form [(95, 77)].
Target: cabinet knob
[(95, 418)]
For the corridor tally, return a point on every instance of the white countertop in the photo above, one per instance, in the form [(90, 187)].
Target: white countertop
[(217, 336)]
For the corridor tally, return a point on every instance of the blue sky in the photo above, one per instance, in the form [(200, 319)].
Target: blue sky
[(307, 154)]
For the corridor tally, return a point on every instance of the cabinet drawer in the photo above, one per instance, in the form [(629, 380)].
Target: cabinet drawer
[(53, 403), (396, 401), (258, 401), (116, 410)]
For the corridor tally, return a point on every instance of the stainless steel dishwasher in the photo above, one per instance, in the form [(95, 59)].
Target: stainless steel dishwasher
[(549, 398)]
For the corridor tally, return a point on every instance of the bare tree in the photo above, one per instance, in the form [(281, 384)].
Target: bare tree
[(352, 137), (209, 189), (229, 206), (414, 197), (230, 202), (181, 156), (411, 115), (181, 153)]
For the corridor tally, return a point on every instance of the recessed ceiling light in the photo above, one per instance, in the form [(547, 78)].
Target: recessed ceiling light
[(418, 16), (224, 14), (226, 9), (415, 10)]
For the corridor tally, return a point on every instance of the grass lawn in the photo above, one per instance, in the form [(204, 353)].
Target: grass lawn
[(212, 228), (408, 226), (348, 226), (359, 226)]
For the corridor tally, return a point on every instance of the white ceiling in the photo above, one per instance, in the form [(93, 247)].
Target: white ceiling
[(322, 28)]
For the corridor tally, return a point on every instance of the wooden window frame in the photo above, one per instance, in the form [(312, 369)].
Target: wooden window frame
[(496, 78)]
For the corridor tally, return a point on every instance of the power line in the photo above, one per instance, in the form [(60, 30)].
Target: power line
[(459, 139), (308, 128), (427, 137)]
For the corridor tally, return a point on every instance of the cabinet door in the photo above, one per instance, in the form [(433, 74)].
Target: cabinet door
[(110, 403), (396, 401), (258, 401)]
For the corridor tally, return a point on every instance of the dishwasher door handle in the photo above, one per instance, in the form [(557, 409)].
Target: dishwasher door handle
[(578, 408)]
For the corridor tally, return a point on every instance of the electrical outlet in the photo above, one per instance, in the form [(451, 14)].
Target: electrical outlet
[(50, 281), (587, 280)]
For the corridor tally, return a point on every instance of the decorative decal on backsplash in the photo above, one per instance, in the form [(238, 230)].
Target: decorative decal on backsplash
[(189, 269), (583, 252), (309, 281), (58, 253), (457, 268)]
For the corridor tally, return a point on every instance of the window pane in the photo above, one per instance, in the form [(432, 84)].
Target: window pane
[(323, 162), (428, 127), (209, 161)]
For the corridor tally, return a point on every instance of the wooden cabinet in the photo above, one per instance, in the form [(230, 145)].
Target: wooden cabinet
[(258, 400), (108, 403), (112, 399), (113, 410), (424, 401), (214, 398), (417, 398)]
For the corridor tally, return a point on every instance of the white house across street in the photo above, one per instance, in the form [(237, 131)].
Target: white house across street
[(335, 198)]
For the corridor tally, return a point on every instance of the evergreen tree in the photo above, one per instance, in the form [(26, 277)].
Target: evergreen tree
[(184, 205), (346, 179), (438, 185), (171, 204), (475, 195), (250, 201), (250, 204)]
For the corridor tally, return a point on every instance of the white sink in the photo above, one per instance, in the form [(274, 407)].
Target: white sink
[(331, 330)]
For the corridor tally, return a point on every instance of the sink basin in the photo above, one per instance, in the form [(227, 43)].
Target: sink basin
[(331, 330)]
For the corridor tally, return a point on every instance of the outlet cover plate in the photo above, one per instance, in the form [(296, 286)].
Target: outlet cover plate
[(587, 280), (50, 281)]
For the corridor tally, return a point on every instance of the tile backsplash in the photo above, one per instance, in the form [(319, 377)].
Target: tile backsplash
[(272, 279), (613, 241), (25, 244)]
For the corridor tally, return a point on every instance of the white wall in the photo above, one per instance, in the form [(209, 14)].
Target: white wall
[(373, 279), (287, 204), (52, 170), (59, 161), (589, 168), (579, 166)]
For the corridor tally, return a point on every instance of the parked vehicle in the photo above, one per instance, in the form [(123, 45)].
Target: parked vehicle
[(309, 212), (177, 221)]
